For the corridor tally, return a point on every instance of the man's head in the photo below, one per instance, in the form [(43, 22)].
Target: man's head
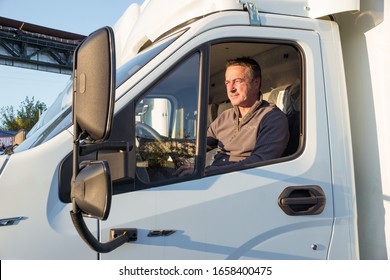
[(243, 81)]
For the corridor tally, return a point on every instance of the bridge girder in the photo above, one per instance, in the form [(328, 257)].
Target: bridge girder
[(36, 47)]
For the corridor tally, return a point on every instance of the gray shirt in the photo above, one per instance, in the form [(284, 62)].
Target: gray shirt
[(262, 134)]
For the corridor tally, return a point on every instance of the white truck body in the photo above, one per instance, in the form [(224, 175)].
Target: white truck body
[(170, 61)]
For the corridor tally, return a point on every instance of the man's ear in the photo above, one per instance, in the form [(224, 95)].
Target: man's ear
[(258, 81)]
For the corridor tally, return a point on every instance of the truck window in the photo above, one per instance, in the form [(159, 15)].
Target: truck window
[(167, 115), (166, 123), (281, 69)]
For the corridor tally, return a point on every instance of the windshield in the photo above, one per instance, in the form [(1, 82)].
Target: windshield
[(54, 120), (139, 61), (59, 116)]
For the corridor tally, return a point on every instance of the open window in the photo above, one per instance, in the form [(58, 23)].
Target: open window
[(281, 65)]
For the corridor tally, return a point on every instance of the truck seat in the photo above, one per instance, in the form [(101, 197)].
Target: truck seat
[(288, 99), (214, 110)]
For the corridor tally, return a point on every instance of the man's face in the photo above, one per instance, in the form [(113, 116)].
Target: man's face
[(242, 89)]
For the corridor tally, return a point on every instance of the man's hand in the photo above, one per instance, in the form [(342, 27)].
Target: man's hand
[(186, 168)]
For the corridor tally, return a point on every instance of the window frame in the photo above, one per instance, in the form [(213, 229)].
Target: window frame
[(204, 51), (302, 113)]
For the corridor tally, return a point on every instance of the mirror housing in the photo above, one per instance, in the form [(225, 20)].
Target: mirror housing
[(93, 189), (94, 84)]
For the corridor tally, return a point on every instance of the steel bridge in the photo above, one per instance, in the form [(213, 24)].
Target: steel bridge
[(37, 47)]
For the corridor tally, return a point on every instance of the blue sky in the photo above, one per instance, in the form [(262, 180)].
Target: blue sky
[(77, 16)]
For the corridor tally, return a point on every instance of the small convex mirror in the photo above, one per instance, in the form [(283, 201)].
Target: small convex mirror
[(93, 189)]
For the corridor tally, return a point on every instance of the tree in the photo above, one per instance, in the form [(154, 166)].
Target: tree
[(26, 116)]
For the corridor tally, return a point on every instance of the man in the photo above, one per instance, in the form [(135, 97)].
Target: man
[(253, 130), (250, 132)]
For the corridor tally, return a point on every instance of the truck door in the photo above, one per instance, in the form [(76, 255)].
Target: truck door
[(278, 209)]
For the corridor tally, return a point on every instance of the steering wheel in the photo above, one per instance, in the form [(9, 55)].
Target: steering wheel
[(146, 131)]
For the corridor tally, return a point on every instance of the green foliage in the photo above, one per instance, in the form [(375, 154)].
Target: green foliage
[(24, 118)]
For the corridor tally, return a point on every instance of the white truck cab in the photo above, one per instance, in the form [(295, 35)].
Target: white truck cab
[(144, 94)]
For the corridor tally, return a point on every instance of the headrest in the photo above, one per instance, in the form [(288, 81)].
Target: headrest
[(284, 97), (279, 97)]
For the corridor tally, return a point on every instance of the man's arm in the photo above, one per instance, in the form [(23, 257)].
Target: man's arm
[(211, 140)]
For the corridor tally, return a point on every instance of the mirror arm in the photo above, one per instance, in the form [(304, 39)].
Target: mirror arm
[(86, 149), (76, 169), (88, 237)]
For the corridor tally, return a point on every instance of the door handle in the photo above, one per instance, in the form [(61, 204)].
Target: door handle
[(302, 200)]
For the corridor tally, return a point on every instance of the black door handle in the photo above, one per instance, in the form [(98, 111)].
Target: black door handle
[(302, 200)]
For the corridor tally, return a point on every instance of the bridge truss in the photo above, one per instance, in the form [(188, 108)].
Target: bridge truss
[(36, 47)]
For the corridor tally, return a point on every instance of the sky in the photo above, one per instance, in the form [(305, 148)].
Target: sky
[(76, 16)]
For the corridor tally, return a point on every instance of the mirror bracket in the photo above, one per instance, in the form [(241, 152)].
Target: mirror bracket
[(86, 149), (88, 237)]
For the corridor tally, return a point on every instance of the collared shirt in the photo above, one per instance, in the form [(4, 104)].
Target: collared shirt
[(262, 134)]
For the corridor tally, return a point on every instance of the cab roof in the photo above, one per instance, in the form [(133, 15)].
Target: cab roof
[(141, 23)]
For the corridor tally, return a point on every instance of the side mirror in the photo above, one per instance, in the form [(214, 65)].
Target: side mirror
[(93, 106), (94, 84)]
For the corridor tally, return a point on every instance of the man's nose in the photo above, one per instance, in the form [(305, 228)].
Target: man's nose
[(231, 87)]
